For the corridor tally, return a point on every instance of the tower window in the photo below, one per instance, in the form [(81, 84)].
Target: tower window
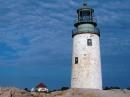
[(76, 60), (89, 42)]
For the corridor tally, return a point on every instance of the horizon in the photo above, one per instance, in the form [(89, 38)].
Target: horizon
[(36, 42)]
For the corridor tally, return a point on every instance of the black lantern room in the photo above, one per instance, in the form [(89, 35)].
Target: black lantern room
[(85, 15)]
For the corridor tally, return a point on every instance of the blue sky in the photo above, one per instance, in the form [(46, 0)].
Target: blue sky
[(36, 42)]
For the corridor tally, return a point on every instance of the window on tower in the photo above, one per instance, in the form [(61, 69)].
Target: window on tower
[(89, 42), (76, 60), (84, 15)]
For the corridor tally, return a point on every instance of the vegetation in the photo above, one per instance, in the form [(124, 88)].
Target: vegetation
[(62, 89), (26, 89), (109, 88), (128, 88)]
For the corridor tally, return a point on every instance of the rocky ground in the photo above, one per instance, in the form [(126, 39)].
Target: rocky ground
[(14, 92)]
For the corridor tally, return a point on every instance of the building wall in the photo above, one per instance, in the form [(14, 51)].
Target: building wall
[(87, 72)]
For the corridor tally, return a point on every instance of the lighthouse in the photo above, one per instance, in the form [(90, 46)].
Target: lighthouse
[(86, 60)]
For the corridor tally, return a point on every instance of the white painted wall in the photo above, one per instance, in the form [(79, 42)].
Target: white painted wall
[(87, 73)]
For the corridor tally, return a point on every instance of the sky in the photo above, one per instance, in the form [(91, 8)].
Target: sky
[(36, 41)]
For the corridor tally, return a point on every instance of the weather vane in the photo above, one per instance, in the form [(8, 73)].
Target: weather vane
[(85, 2)]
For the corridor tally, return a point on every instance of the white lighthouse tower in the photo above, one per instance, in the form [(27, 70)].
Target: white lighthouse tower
[(86, 60)]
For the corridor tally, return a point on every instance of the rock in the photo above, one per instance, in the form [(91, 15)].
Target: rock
[(14, 92)]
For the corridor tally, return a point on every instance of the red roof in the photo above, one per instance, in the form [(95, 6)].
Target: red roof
[(41, 85)]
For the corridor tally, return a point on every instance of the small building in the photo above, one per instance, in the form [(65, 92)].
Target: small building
[(40, 88)]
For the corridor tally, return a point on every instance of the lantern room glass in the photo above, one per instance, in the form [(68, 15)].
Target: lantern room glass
[(85, 15)]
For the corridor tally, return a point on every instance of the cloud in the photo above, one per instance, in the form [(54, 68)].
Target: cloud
[(113, 22), (35, 29), (38, 32), (42, 28)]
